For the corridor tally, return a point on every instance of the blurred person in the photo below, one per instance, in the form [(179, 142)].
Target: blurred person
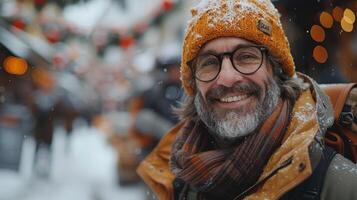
[(16, 116), (151, 117), (15, 126), (58, 103), (251, 126), (156, 115)]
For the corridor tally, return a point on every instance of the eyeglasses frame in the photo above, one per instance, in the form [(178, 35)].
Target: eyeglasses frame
[(263, 51)]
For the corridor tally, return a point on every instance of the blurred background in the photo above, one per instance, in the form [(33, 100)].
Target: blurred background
[(87, 86)]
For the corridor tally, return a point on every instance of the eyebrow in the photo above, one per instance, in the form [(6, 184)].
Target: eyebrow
[(210, 51)]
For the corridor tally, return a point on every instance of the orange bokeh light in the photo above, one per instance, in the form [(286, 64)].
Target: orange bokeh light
[(317, 33), (43, 79), (326, 20), (320, 54), (14, 65), (337, 13)]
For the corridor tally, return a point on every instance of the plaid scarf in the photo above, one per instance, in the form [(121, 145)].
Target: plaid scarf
[(224, 173)]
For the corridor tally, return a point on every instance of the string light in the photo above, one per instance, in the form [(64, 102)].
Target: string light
[(337, 13), (345, 17), (14, 65), (346, 26), (326, 19), (348, 20), (320, 54), (349, 16), (317, 33)]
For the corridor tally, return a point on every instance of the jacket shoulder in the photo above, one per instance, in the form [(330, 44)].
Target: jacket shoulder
[(155, 169), (341, 180)]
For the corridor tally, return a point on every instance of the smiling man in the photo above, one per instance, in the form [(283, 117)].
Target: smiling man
[(251, 127), (236, 91)]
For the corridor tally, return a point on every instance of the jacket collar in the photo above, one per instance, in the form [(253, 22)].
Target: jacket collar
[(325, 112), (302, 147)]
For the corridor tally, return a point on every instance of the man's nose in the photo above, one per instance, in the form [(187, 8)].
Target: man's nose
[(228, 75)]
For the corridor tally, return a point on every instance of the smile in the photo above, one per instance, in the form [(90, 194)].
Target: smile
[(230, 99)]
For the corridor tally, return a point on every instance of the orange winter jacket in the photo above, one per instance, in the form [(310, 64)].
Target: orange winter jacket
[(289, 165)]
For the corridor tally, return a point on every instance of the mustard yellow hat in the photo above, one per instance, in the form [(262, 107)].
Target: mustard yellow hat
[(254, 20)]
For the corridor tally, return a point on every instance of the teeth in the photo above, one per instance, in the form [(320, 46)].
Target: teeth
[(233, 99)]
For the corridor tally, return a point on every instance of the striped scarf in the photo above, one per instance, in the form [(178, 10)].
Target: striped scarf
[(225, 173)]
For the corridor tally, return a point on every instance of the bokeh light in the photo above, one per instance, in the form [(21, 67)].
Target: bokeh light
[(43, 79), (337, 13), (320, 54), (14, 65), (346, 26), (326, 19), (349, 16), (317, 33)]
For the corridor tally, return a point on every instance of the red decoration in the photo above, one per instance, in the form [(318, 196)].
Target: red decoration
[(60, 61), (126, 41), (57, 60), (167, 5), (19, 23), (53, 36), (40, 2)]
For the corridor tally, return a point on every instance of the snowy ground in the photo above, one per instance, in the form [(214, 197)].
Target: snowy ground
[(82, 168)]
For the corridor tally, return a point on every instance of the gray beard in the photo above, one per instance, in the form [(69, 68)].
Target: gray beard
[(235, 124)]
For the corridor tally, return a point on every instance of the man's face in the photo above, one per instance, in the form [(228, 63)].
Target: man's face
[(233, 105)]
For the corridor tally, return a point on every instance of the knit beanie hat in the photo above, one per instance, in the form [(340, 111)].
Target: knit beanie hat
[(254, 20)]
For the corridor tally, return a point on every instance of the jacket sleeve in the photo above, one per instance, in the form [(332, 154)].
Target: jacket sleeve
[(341, 180)]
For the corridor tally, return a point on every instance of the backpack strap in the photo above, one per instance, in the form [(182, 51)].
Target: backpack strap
[(338, 94), (341, 136)]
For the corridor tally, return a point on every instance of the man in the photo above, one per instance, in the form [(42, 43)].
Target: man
[(252, 128)]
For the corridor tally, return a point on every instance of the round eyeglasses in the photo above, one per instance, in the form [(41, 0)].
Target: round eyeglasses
[(245, 59)]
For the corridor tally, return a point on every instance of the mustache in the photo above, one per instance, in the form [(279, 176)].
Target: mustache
[(238, 87)]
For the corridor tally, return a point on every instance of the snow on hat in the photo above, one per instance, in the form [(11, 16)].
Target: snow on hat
[(254, 20)]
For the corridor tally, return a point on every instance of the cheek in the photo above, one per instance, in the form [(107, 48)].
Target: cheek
[(203, 88), (262, 78), (262, 75)]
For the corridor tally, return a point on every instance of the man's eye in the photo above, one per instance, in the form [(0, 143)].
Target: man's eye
[(209, 62), (246, 57)]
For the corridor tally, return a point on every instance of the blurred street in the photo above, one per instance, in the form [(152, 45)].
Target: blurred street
[(82, 167)]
